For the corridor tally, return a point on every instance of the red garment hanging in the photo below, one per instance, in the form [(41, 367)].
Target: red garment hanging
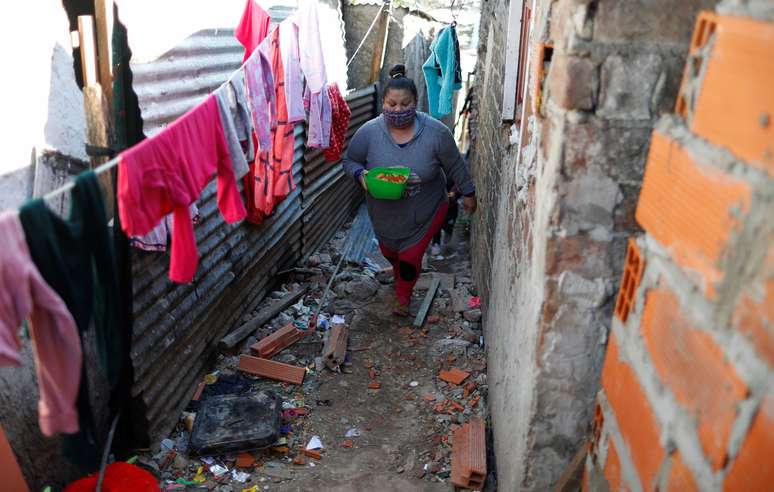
[(167, 172), (283, 139), (340, 116), (252, 28)]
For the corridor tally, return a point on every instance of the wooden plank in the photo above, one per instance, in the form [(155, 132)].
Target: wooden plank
[(379, 47), (88, 49), (94, 105), (571, 476), (512, 60), (425, 308), (103, 16), (265, 315)]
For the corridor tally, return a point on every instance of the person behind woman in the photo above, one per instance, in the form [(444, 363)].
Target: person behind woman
[(401, 136)]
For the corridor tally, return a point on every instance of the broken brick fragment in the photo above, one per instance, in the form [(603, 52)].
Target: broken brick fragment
[(372, 373), (469, 388), (347, 443), (368, 364), (454, 376), (406, 330), (314, 454), (433, 319), (299, 460), (374, 385), (457, 406), (199, 391), (245, 460), (335, 349), (271, 369), (280, 449), (273, 344), (429, 397), (474, 401), (468, 463)]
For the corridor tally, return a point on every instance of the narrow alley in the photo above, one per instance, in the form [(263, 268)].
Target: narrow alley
[(387, 245)]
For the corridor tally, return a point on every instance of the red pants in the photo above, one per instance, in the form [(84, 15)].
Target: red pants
[(407, 264)]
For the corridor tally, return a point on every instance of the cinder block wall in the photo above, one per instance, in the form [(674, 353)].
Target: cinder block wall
[(556, 213), (687, 398)]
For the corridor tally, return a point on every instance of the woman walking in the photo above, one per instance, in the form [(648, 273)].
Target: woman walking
[(401, 136)]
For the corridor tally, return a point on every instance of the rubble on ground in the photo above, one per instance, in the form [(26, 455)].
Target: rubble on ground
[(434, 374)]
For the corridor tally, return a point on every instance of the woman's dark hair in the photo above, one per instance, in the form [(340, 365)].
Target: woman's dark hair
[(399, 82)]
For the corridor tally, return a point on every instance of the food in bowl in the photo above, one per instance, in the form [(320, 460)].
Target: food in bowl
[(392, 178)]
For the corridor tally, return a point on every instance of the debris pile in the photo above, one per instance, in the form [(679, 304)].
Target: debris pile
[(309, 369)]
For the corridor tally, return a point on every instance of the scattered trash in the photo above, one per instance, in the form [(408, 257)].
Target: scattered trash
[(315, 443), (352, 432), (338, 320), (254, 488), (236, 422), (414, 384), (474, 302), (240, 477)]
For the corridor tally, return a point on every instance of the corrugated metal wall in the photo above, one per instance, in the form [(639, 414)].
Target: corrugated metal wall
[(176, 327)]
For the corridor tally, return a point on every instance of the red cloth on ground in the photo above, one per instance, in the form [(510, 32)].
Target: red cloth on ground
[(167, 172), (119, 477), (340, 115), (252, 27), (413, 256)]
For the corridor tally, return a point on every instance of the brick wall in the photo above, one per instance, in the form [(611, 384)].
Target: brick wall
[(556, 214), (687, 399)]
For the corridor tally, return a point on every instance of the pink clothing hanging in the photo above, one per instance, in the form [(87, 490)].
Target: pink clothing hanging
[(167, 172), (313, 67), (294, 83), (55, 342), (260, 93), (252, 28)]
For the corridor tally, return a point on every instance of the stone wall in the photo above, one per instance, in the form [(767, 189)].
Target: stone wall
[(556, 213), (687, 401)]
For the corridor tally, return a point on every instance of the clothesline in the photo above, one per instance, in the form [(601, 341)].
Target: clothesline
[(115, 160), (378, 14)]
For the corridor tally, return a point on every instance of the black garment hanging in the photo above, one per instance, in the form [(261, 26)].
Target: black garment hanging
[(75, 257)]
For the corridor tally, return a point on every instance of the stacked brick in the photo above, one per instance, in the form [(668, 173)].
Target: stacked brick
[(687, 398)]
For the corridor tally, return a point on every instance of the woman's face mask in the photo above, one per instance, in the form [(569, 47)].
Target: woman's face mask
[(400, 119), (399, 108)]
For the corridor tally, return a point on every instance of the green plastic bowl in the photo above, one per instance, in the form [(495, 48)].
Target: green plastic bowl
[(384, 190)]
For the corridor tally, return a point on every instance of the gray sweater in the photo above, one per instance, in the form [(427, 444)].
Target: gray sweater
[(431, 154)]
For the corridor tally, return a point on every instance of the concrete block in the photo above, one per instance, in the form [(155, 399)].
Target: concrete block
[(658, 21), (627, 85), (573, 82)]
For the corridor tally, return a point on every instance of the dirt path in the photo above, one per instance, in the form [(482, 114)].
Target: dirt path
[(403, 436)]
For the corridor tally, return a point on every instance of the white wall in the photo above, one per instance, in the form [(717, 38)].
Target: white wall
[(41, 103)]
